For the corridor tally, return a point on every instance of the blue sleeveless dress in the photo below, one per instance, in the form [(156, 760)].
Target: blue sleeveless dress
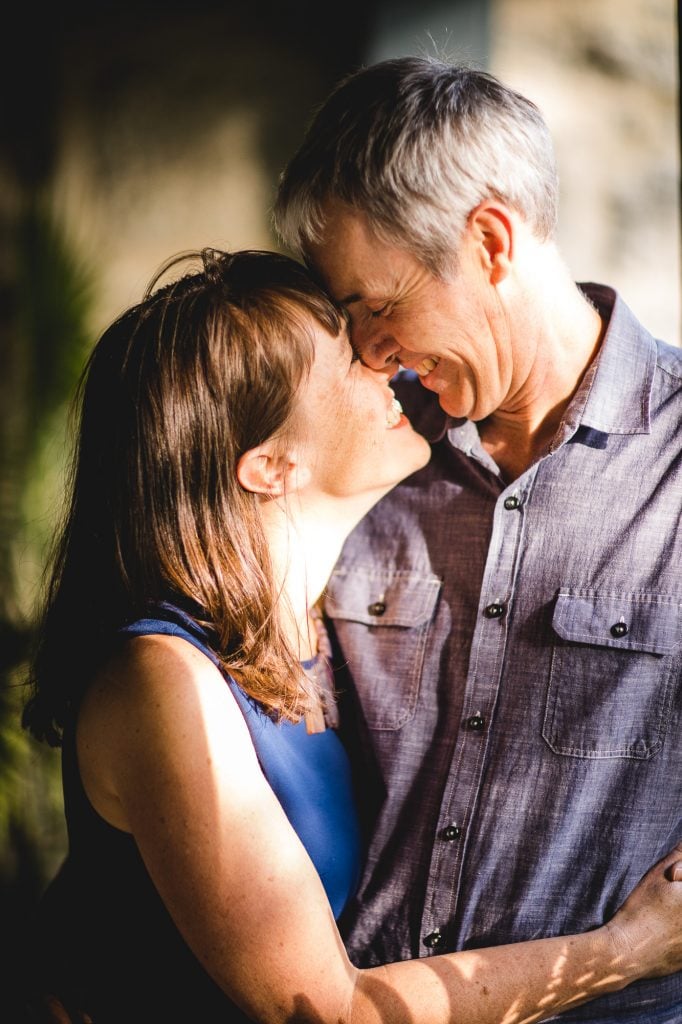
[(108, 942)]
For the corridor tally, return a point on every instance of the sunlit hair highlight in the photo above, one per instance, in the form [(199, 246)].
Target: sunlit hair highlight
[(416, 144), (177, 389)]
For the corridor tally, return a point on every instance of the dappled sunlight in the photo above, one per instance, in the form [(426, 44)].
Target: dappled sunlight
[(502, 984)]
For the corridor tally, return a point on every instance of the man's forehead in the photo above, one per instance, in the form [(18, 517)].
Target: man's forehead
[(349, 290), (352, 265), (344, 281), (348, 255)]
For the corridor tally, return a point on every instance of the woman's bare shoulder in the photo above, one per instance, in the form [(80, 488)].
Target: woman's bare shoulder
[(156, 703), (147, 670)]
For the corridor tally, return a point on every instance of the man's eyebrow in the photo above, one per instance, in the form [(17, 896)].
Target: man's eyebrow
[(348, 299)]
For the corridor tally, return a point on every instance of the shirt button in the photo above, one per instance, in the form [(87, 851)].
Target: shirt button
[(511, 503), (451, 832), (618, 630), (494, 610), (476, 723), (434, 939), (378, 608)]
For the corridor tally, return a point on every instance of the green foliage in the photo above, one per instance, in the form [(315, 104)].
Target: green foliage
[(31, 812), (45, 342), (54, 298)]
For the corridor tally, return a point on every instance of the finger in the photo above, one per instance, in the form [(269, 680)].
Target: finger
[(672, 856), (674, 872), (56, 1013)]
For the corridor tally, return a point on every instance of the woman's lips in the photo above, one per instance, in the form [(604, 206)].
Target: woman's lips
[(394, 413)]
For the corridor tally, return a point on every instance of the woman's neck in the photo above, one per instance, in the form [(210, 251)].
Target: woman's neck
[(305, 537)]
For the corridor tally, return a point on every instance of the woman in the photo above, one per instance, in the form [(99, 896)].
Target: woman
[(229, 440)]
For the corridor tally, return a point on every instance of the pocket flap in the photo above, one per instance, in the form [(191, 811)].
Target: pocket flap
[(635, 622), (381, 598)]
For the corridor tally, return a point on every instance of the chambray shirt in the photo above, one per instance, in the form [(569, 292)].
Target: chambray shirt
[(512, 665)]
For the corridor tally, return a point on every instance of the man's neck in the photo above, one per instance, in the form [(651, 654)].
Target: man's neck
[(567, 340)]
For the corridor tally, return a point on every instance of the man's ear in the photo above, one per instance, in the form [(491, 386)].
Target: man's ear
[(492, 228), (264, 470)]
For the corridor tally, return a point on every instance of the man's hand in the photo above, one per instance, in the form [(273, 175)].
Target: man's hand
[(647, 930), (674, 872)]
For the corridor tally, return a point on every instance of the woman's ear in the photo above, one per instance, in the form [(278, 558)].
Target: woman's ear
[(264, 470)]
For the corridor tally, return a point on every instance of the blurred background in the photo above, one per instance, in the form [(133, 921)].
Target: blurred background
[(131, 132)]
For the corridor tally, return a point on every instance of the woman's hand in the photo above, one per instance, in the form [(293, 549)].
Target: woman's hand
[(49, 1009), (647, 930)]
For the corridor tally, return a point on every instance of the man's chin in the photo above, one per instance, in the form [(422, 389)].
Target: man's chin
[(452, 406), (448, 395)]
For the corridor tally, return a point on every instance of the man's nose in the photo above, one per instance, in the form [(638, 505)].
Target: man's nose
[(377, 347)]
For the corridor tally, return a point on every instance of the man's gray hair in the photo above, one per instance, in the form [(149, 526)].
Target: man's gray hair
[(416, 144)]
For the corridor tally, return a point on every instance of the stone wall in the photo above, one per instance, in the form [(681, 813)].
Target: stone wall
[(172, 131), (604, 72), (606, 78)]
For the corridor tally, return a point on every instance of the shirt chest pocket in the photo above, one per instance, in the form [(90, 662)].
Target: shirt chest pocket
[(382, 622), (612, 673)]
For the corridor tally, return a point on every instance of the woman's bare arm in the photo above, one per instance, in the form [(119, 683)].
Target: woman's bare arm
[(165, 754)]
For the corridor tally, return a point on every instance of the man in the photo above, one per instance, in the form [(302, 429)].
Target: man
[(511, 616)]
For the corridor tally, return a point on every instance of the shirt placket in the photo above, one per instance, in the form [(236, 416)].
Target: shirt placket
[(461, 794)]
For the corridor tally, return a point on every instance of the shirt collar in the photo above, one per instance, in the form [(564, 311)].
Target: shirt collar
[(618, 401)]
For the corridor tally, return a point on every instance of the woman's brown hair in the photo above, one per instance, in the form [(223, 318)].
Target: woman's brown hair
[(205, 368)]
